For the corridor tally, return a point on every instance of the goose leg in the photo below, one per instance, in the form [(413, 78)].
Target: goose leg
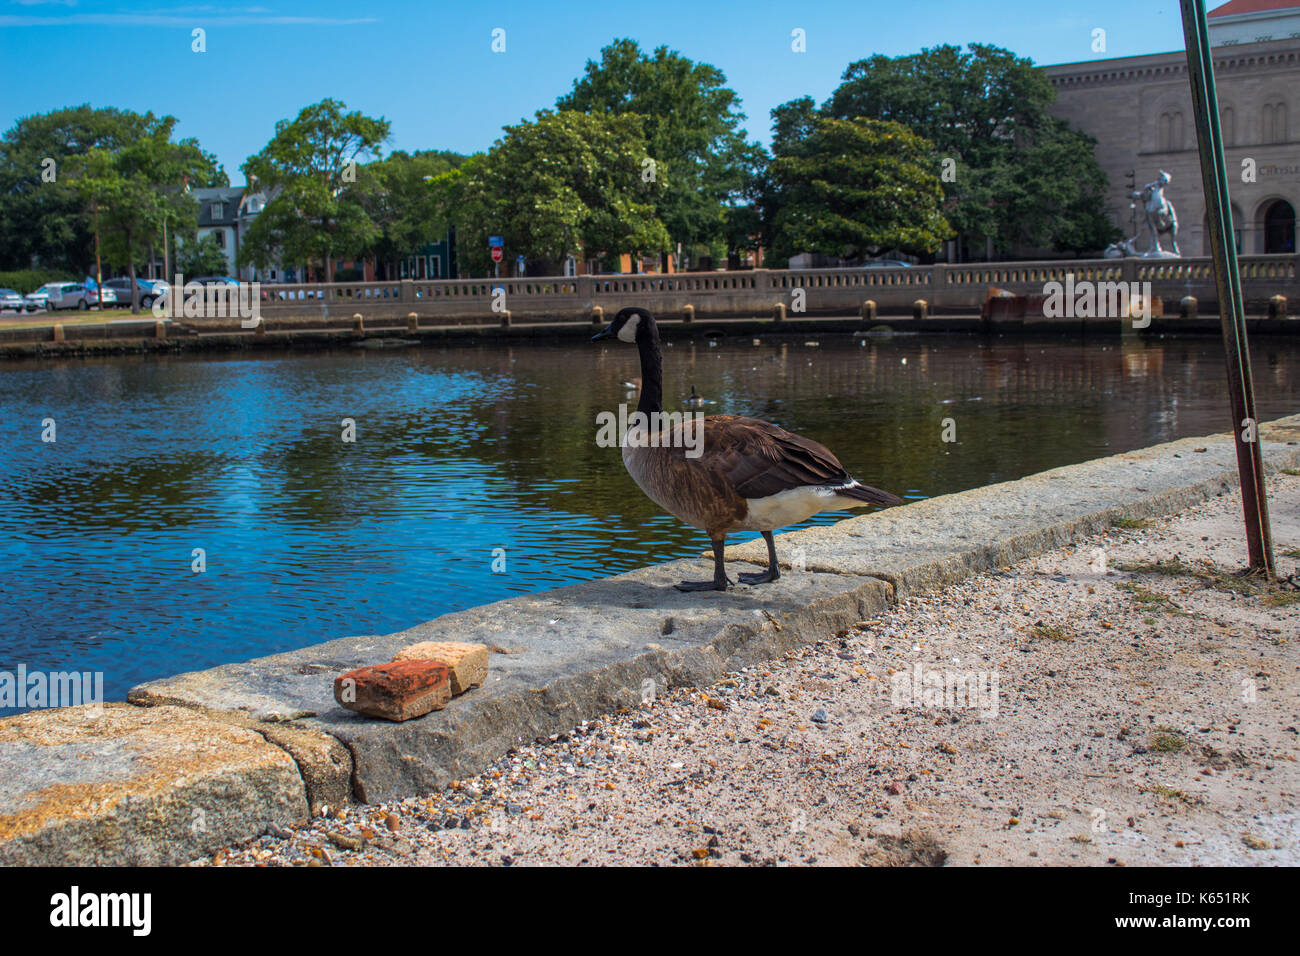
[(773, 570), (720, 579)]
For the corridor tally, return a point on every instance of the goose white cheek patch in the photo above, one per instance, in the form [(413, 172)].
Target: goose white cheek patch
[(654, 430), (628, 332)]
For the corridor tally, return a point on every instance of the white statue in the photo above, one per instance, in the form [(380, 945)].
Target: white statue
[(1161, 217)]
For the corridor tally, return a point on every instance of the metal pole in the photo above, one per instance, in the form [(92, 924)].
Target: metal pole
[(1227, 280)]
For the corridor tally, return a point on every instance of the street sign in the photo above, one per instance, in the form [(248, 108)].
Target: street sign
[(496, 254), (496, 241)]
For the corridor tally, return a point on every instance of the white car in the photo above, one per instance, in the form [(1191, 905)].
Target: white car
[(36, 300), (9, 299)]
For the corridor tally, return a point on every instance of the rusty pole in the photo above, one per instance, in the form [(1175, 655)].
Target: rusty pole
[(1227, 280)]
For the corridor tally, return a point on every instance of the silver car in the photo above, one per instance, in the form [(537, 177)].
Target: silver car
[(68, 295), (10, 299)]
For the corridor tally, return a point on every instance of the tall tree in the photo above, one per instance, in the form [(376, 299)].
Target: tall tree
[(130, 192), (42, 210), (308, 170), (691, 122), (562, 184), (853, 188), (1019, 176)]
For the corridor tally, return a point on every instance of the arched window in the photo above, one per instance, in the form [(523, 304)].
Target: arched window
[(1279, 227), (1170, 135), (1272, 122)]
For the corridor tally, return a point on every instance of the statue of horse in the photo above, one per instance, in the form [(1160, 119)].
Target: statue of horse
[(1161, 217)]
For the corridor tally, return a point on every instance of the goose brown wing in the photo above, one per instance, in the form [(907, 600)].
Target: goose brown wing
[(759, 459)]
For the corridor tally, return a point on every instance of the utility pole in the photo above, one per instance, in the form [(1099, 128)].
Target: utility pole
[(1227, 281)]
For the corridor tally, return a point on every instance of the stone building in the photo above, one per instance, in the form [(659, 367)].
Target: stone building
[(1139, 109)]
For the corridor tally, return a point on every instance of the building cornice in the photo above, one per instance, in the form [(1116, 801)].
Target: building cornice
[(1232, 58)]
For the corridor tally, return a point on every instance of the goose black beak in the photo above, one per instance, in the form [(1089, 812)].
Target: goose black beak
[(604, 333)]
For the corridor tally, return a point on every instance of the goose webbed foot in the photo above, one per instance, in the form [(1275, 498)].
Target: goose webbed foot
[(720, 579), (773, 569), (713, 585)]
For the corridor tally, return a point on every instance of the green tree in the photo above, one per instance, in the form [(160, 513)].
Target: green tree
[(853, 188), (200, 256), (42, 210), (309, 170), (396, 195), (1020, 176), (129, 193), (691, 123), (562, 184)]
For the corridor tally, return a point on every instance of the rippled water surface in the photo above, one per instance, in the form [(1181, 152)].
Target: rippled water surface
[(460, 452)]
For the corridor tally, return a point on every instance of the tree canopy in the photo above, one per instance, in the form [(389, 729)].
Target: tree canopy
[(564, 183), (1021, 176), (852, 188), (395, 193), (44, 212), (690, 121), (308, 171)]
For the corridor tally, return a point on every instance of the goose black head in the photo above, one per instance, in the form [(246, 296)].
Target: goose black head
[(631, 325)]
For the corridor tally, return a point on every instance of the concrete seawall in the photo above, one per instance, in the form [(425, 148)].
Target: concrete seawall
[(203, 759), (283, 334)]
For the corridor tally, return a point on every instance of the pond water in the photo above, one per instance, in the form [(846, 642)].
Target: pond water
[(469, 457)]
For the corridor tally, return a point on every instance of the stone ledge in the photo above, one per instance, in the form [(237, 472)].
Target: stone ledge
[(560, 657), (125, 785)]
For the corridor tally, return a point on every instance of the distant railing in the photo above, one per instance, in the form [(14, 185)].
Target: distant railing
[(944, 285)]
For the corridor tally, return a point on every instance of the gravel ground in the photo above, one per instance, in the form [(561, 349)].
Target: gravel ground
[(1134, 703)]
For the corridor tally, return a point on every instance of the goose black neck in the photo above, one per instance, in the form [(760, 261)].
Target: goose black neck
[(652, 367)]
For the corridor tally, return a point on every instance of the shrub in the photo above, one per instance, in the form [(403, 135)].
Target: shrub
[(29, 280)]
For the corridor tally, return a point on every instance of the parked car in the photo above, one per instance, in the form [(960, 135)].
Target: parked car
[(121, 288), (10, 299), (38, 299), (886, 264), (67, 295)]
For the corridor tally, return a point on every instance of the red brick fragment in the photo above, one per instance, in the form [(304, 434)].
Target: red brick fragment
[(398, 690)]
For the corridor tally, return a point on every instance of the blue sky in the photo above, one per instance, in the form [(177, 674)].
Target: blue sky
[(428, 67)]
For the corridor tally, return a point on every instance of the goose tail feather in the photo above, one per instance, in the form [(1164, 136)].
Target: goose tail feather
[(874, 496)]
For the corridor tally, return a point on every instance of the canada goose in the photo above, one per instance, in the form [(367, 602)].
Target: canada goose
[(695, 400), (744, 475)]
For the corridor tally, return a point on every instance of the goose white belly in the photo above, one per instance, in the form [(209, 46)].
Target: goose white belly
[(792, 506)]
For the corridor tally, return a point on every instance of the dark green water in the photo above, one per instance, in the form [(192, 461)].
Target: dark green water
[(460, 452)]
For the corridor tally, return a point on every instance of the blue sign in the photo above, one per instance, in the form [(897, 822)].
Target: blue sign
[(496, 241)]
